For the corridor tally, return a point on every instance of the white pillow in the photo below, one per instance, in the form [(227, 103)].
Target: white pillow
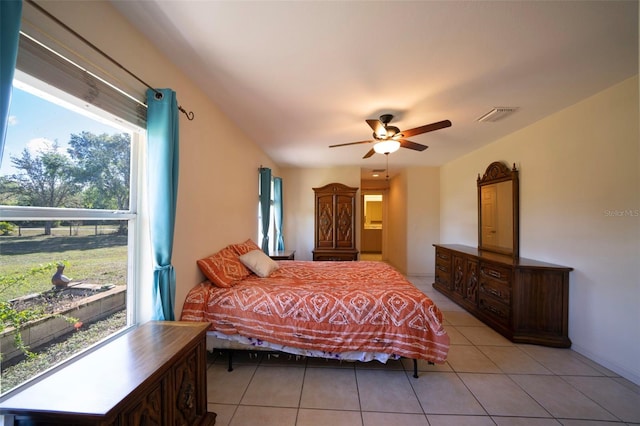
[(259, 263)]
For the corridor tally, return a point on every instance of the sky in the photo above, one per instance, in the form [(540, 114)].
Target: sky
[(36, 123)]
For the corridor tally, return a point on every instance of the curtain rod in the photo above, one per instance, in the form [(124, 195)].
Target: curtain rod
[(189, 114)]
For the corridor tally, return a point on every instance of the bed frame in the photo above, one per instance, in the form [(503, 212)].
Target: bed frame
[(232, 347), (230, 366)]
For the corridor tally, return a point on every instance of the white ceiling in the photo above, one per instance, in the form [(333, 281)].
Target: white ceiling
[(298, 76)]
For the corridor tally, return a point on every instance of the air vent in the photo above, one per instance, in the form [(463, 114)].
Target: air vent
[(497, 113), (378, 170)]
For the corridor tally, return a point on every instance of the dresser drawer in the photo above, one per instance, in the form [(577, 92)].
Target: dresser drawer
[(495, 273), (494, 309), (443, 257), (443, 277), (495, 289), (443, 267)]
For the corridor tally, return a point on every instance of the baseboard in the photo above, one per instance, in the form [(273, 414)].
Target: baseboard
[(427, 275), (629, 375)]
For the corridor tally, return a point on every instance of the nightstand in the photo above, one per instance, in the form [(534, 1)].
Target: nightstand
[(283, 255)]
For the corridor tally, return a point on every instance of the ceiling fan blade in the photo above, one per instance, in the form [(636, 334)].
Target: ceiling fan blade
[(426, 128), (412, 145), (349, 143), (369, 154), (378, 127)]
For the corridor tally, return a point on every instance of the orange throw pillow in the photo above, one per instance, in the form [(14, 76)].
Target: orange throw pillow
[(223, 268), (246, 247)]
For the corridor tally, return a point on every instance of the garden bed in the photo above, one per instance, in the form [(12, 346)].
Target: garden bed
[(86, 302), (57, 300)]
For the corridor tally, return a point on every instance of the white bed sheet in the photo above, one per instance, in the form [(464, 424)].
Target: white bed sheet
[(217, 340)]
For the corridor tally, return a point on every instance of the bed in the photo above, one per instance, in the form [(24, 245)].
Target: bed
[(364, 310)]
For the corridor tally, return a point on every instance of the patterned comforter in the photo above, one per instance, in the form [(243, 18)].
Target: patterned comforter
[(326, 306)]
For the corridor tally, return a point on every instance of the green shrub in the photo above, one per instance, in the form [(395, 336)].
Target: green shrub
[(7, 228), (10, 317)]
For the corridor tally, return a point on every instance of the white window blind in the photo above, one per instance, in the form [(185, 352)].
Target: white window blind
[(51, 53)]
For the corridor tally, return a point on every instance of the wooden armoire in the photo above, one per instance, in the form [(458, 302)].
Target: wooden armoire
[(335, 223)]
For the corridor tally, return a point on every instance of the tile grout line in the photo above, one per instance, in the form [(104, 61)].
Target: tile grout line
[(304, 377), (355, 375), (587, 396)]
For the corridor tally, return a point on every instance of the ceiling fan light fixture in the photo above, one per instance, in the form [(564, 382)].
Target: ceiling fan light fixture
[(386, 147), (392, 132)]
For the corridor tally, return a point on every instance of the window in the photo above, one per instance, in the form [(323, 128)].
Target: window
[(68, 201)]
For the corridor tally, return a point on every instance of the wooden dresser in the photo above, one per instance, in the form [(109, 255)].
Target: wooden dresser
[(526, 301), (154, 374), (335, 223)]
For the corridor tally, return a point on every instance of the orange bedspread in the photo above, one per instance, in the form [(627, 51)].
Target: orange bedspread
[(327, 306)]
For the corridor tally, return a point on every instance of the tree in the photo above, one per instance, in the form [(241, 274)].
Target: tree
[(47, 180), (8, 191), (103, 165), (94, 175)]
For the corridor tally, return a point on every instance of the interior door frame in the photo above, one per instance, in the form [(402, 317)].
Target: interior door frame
[(385, 215)]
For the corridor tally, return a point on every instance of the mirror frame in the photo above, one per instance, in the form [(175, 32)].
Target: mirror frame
[(495, 173)]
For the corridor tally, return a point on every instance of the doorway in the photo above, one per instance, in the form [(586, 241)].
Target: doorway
[(372, 226)]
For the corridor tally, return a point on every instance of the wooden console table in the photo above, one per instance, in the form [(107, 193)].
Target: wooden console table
[(154, 374)]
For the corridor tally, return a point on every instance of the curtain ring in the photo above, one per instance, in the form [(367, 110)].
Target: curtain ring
[(159, 96)]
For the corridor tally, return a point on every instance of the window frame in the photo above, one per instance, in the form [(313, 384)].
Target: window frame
[(136, 241), (125, 108)]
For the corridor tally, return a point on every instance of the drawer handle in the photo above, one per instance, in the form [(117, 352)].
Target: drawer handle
[(442, 268), (495, 310), (494, 274), (494, 292)]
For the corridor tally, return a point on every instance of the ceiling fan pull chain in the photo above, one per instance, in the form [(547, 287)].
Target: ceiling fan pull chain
[(387, 155)]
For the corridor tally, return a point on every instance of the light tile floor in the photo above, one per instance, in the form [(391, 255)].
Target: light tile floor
[(487, 380)]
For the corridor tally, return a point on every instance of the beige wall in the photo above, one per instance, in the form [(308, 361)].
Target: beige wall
[(423, 219), (396, 250), (579, 207), (298, 197), (414, 220), (218, 187)]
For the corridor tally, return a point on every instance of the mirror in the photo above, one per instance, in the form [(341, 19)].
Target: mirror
[(498, 210)]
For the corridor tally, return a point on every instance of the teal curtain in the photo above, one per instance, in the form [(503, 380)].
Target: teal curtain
[(162, 166), (10, 15), (278, 211), (265, 205)]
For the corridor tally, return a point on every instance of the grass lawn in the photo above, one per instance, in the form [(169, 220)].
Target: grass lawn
[(96, 259)]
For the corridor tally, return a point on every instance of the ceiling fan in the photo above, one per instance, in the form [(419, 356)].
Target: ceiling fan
[(389, 138)]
